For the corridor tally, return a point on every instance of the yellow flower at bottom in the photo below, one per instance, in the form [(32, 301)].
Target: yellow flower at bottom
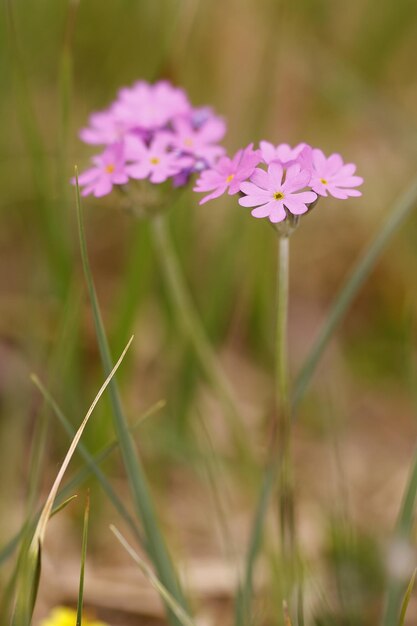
[(62, 616)]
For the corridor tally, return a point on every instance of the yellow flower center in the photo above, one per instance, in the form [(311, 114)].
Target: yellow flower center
[(188, 142), (278, 195), (230, 178), (110, 168), (323, 181), (154, 160)]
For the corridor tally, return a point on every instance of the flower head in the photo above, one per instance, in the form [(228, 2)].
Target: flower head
[(159, 136), (109, 169), (228, 174), (273, 195), (62, 616), (332, 176)]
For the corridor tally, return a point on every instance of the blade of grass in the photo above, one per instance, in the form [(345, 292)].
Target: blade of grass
[(83, 558), (80, 477), (142, 500), (46, 511), (176, 608), (31, 570), (89, 459), (406, 599), (366, 263)]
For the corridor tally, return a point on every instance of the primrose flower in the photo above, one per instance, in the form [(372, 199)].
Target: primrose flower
[(273, 195), (283, 153), (158, 135), (109, 169), (200, 141), (156, 161), (62, 616), (332, 176), (228, 174), (150, 106)]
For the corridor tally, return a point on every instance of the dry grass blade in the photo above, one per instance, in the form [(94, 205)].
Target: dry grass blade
[(46, 511), (175, 607)]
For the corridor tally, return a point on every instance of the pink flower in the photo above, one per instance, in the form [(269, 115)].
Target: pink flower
[(283, 153), (199, 141), (332, 176), (156, 161), (150, 106), (228, 174), (272, 196), (104, 128), (109, 169)]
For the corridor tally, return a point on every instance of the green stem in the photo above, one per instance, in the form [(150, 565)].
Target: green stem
[(191, 326), (279, 456), (281, 367), (283, 408)]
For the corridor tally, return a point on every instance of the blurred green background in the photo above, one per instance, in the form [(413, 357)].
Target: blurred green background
[(341, 76)]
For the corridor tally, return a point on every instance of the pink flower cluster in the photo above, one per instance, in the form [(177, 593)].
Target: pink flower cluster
[(288, 181), (152, 132)]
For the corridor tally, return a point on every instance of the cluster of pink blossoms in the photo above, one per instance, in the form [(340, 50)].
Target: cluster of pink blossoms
[(150, 132), (288, 181)]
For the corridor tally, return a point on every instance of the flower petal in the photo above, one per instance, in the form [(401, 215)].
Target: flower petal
[(253, 190), (275, 172), (254, 200), (261, 179)]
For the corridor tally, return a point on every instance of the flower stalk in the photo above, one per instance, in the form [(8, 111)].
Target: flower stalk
[(192, 328), (282, 403)]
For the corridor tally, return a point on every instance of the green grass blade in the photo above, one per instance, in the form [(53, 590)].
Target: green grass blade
[(143, 504), (176, 608), (406, 599), (83, 558), (366, 263)]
